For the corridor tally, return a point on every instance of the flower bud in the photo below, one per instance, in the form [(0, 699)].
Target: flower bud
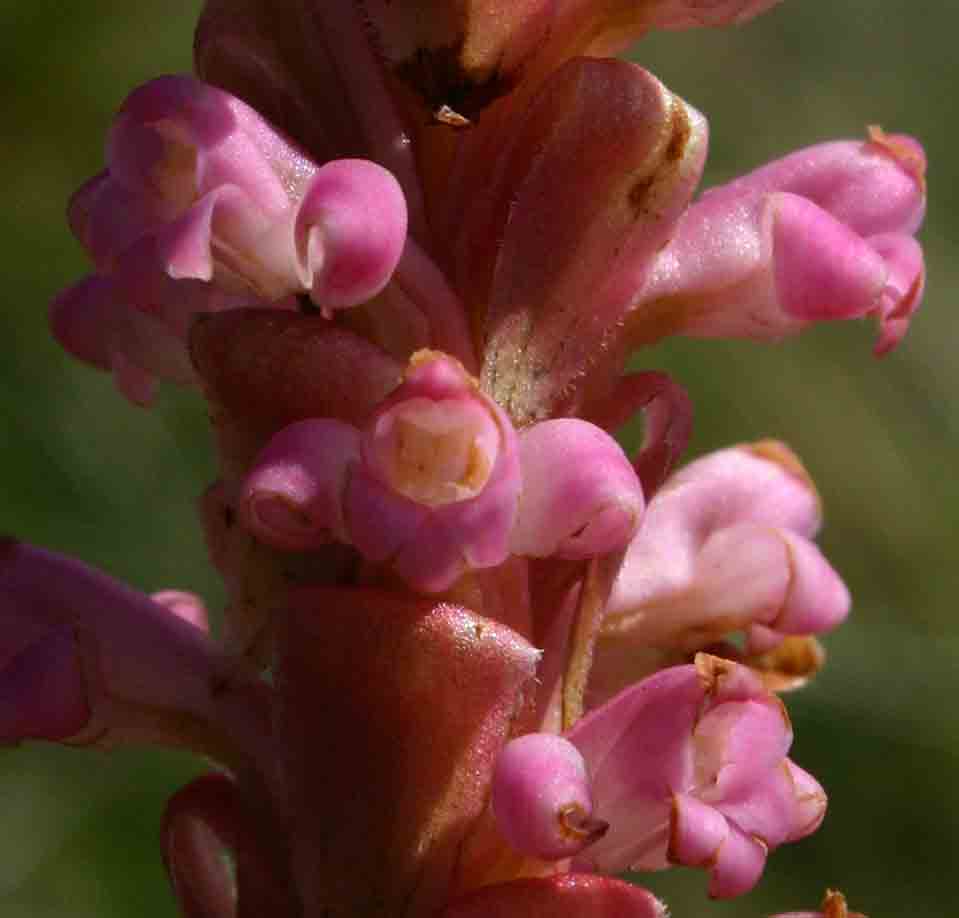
[(541, 797), (293, 496), (94, 325)]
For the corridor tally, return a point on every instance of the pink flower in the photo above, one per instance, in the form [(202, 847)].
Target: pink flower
[(825, 233), (687, 767), (204, 207), (725, 546), (221, 195), (85, 660), (431, 484)]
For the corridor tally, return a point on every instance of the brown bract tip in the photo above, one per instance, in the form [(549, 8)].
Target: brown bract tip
[(906, 152), (791, 664), (577, 824), (427, 355), (777, 452), (710, 670), (834, 906)]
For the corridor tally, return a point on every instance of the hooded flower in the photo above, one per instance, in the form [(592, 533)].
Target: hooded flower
[(726, 547), (825, 233), (204, 207), (686, 767), (431, 484)]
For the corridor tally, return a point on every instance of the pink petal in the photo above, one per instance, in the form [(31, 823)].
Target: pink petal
[(904, 287), (44, 692), (541, 797), (873, 186), (810, 802), (822, 269), (142, 672), (91, 323), (184, 605), (293, 497), (723, 547), (350, 231), (737, 745), (696, 832), (739, 864), (437, 488), (581, 497), (690, 766), (817, 600), (179, 137), (638, 749)]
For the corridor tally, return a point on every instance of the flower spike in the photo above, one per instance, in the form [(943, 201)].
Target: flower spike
[(473, 655)]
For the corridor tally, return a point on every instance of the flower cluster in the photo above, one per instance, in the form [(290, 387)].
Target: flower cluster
[(477, 660)]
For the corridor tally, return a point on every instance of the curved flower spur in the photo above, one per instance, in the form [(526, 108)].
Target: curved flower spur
[(404, 250)]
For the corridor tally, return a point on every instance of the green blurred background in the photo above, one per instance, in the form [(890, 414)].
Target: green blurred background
[(89, 475)]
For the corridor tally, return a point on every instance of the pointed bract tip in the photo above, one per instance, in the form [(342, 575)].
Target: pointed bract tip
[(780, 454), (907, 151)]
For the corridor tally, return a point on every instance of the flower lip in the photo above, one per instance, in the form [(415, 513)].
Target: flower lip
[(435, 452)]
